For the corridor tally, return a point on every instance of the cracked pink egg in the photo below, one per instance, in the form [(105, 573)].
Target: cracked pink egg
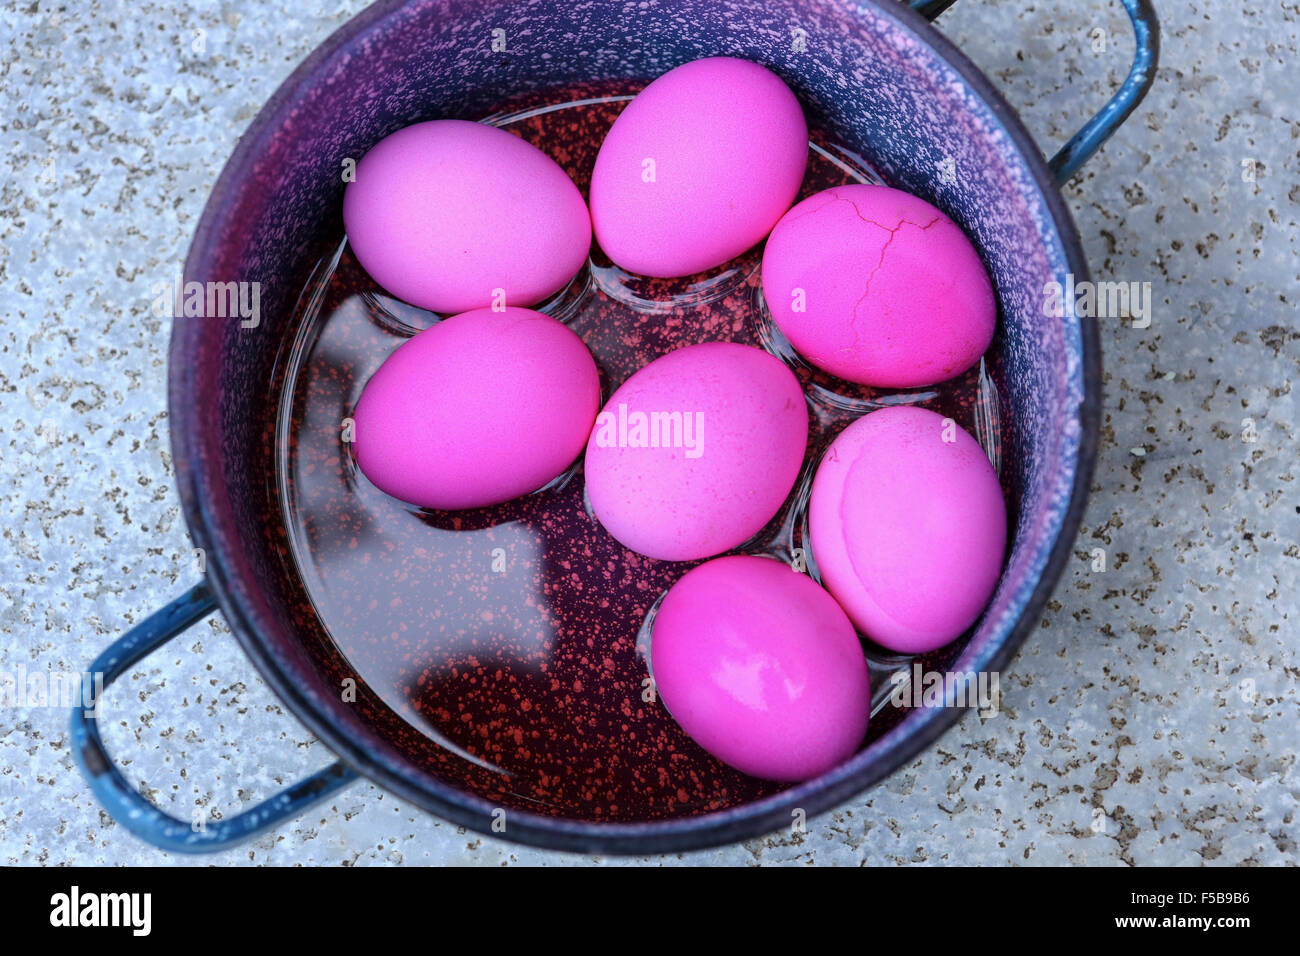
[(908, 527), (452, 216), (761, 668), (698, 168), (477, 409), (697, 451), (878, 287)]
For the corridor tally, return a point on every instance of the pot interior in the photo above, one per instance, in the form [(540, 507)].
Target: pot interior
[(258, 411)]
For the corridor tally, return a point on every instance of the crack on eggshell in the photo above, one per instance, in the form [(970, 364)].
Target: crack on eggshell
[(893, 234), (808, 212)]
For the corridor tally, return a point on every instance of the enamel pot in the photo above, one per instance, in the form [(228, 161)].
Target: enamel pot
[(878, 76)]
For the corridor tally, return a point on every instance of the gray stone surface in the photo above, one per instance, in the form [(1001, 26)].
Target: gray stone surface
[(1160, 692)]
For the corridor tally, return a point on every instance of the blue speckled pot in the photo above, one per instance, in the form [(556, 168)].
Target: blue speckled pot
[(876, 75)]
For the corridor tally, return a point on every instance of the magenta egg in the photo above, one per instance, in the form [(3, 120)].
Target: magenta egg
[(697, 451), (476, 410), (908, 527), (698, 167), (452, 216), (879, 287), (761, 668)]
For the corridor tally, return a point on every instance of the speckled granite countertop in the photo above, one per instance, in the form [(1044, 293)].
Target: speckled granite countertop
[(1161, 692)]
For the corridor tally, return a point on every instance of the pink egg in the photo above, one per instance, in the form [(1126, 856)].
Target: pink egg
[(908, 527), (453, 216), (697, 451), (761, 668), (476, 410), (698, 168), (877, 286)]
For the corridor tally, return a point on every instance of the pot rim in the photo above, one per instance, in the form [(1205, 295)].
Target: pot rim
[(716, 828)]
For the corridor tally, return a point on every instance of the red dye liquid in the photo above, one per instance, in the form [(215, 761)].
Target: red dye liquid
[(516, 636)]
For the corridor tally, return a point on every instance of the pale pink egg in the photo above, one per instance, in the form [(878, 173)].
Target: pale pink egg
[(761, 668), (452, 216), (698, 168), (879, 287), (697, 451), (476, 410), (908, 527)]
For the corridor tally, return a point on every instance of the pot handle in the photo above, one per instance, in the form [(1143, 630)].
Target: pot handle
[(125, 803), (1080, 147)]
